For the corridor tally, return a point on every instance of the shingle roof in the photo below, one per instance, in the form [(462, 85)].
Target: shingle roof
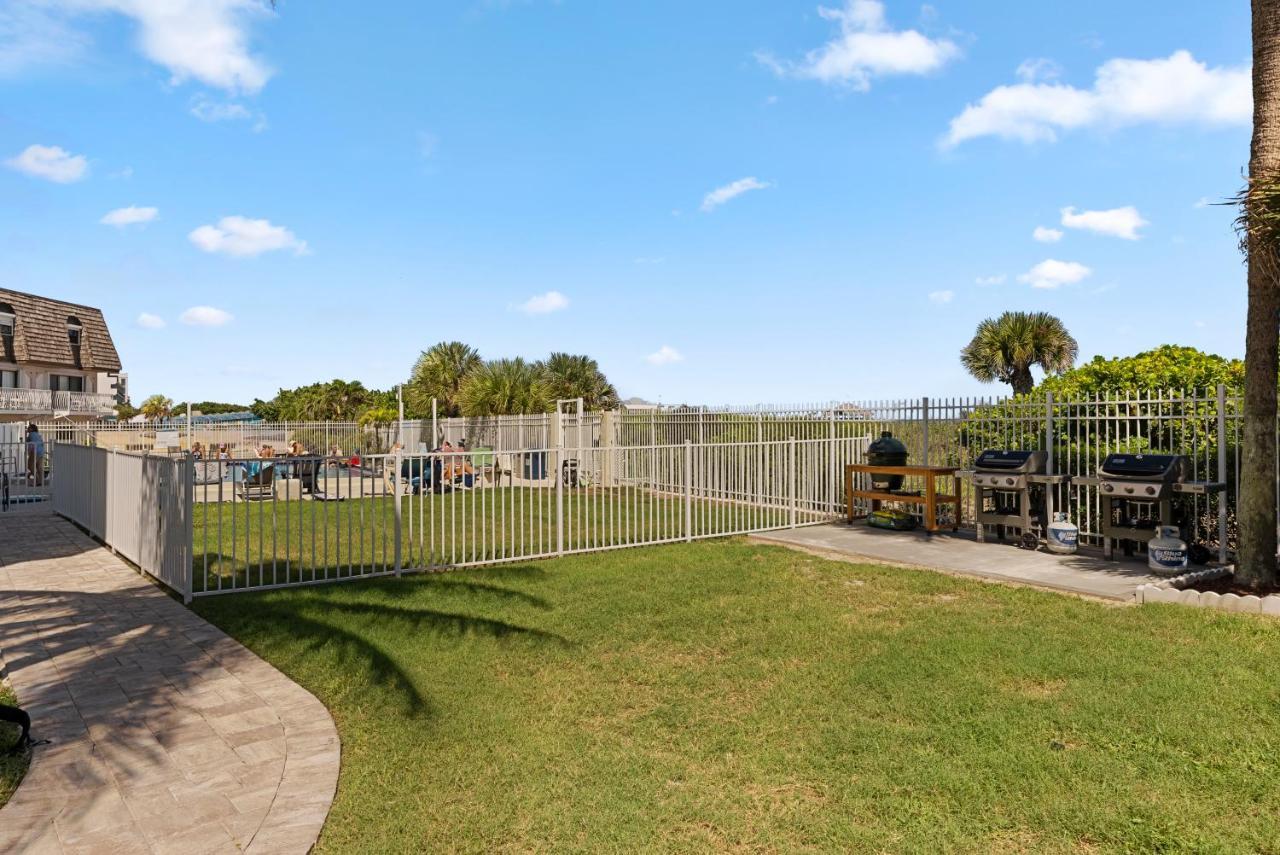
[(40, 333)]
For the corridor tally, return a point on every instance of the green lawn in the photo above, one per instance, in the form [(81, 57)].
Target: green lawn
[(273, 542), (12, 766), (725, 696)]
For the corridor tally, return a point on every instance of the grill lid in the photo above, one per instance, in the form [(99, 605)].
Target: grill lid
[(1002, 460), (1143, 467)]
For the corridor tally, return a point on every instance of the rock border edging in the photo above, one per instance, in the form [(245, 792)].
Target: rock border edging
[(1249, 604)]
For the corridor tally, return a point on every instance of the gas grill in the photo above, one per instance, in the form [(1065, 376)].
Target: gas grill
[(1012, 492), (1132, 486)]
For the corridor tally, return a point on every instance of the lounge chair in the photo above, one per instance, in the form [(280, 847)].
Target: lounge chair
[(409, 479), (259, 485)]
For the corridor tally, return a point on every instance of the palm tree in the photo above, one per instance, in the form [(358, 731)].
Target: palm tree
[(568, 376), (439, 373), (502, 387), (378, 419), (1259, 224), (1006, 347), (156, 407)]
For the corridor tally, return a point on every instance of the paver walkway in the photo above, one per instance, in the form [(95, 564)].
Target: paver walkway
[(167, 735), (960, 553)]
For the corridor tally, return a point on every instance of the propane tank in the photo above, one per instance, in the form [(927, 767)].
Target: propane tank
[(1062, 536), (1166, 553)]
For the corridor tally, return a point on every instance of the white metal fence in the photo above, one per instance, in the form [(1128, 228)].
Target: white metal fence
[(534, 486), (139, 505)]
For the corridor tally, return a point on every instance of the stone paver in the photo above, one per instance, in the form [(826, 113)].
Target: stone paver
[(167, 735), (959, 553)]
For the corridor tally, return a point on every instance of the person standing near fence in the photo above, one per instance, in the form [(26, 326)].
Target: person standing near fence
[(35, 455)]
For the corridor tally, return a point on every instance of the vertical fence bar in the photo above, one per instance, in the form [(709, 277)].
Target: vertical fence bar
[(924, 428), (398, 492), (188, 526), (556, 473), (791, 479), (688, 489), (1222, 472)]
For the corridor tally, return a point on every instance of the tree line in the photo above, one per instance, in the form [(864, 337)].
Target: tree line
[(452, 373)]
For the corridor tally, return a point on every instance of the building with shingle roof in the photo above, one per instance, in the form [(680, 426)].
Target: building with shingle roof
[(56, 359)]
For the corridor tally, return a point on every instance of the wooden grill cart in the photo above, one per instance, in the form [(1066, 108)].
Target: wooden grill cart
[(930, 499)]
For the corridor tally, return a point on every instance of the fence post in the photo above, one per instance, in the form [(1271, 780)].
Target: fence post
[(188, 534), (924, 411), (1048, 432), (791, 478), (396, 485), (688, 489), (834, 475), (1222, 473), (558, 475)]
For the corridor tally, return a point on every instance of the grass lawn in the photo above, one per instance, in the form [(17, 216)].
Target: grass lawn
[(273, 542), (722, 696), (12, 766)]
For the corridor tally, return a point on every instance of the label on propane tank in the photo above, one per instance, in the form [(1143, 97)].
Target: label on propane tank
[(1172, 559)]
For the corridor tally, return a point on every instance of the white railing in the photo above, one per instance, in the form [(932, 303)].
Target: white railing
[(138, 505), (45, 402), (91, 403), (26, 401)]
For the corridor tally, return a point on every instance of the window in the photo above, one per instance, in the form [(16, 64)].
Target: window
[(6, 325), (8, 379), (74, 330), (65, 383)]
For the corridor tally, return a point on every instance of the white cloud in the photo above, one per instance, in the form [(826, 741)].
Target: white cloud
[(865, 48), (146, 320), (50, 162), (998, 279), (1031, 70), (32, 36), (1046, 235), (205, 316), (207, 110), (941, 298), (665, 355), (1203, 202), (243, 237), (204, 40), (129, 216), (720, 195), (1052, 273), (544, 304), (1116, 222), (1175, 90), (428, 143)]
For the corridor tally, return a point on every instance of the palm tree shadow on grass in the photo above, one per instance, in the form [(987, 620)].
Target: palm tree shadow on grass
[(320, 637), (379, 586)]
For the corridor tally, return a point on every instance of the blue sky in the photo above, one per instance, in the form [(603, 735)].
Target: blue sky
[(337, 187)]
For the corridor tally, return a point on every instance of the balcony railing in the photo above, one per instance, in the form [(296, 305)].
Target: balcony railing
[(45, 402)]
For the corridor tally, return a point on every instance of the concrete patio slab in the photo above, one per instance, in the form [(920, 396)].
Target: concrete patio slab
[(961, 553), (166, 734)]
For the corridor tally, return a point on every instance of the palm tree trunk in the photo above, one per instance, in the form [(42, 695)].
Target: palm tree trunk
[(1022, 381), (1257, 548)]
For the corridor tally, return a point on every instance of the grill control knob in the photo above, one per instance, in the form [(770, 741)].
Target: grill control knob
[(1107, 488), (1151, 491), (1009, 481), (1129, 490)]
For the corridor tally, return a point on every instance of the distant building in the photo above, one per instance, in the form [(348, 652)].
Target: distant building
[(57, 360), (638, 404)]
